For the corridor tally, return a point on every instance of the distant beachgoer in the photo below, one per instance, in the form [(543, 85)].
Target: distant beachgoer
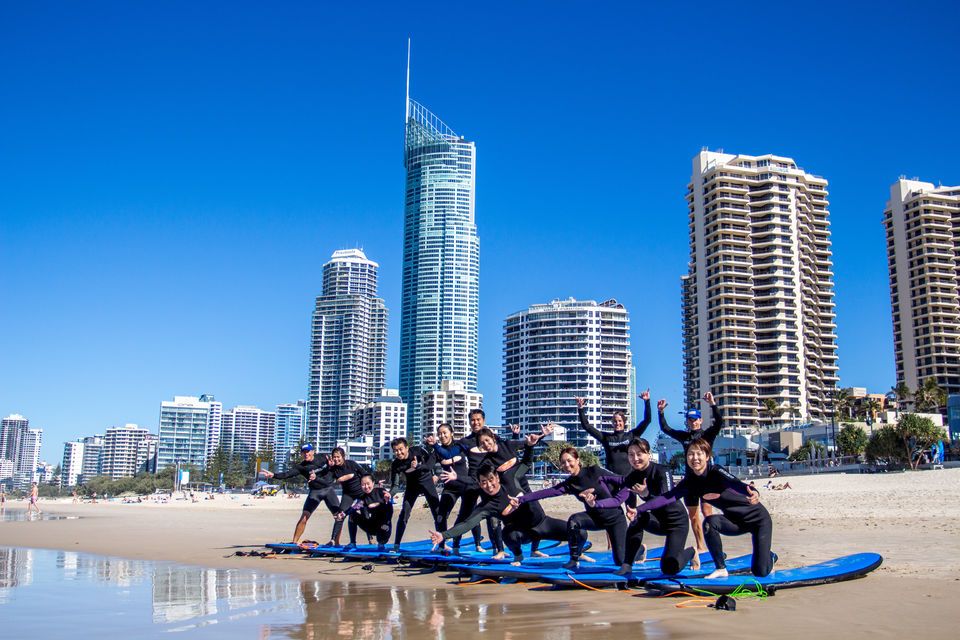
[(93, 498), (32, 500), (781, 487), (3, 497), (76, 497)]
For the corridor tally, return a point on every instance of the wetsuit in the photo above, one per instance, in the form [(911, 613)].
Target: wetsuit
[(321, 489), (615, 443), (419, 481), (454, 489), (739, 516), (349, 490), (610, 520), (372, 512), (685, 437), (469, 498), (670, 521)]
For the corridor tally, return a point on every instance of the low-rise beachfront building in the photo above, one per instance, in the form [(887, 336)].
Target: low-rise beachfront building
[(185, 432), (383, 419), (450, 404), (125, 451)]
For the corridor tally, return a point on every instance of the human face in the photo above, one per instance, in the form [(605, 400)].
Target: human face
[(476, 422), (367, 485), (446, 436), (693, 425), (337, 459), (569, 464), (639, 459), (308, 456), (487, 443), (697, 460), (401, 451), (490, 484), (618, 423)]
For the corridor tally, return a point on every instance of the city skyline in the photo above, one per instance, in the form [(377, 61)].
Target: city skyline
[(119, 256)]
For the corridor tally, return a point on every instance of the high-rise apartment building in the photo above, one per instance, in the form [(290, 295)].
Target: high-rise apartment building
[(923, 248), (247, 430), (441, 261), (185, 426), (383, 419), (450, 404), (348, 348), (92, 465), (28, 459), (290, 422), (758, 310), (12, 430), (553, 353), (124, 451), (72, 466)]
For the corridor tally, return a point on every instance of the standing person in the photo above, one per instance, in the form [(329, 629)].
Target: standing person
[(740, 503), (3, 497), (32, 500), (452, 459), (584, 482), (615, 444), (478, 420), (372, 512), (320, 484), (648, 480), (415, 466), (694, 423), (347, 474)]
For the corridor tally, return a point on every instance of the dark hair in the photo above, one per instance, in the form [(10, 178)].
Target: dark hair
[(572, 451), (486, 432), (474, 412), (399, 440), (338, 450), (619, 413), (640, 443), (444, 425), (487, 469), (368, 475), (703, 445)]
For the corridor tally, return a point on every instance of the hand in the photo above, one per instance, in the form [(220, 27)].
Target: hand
[(448, 476), (753, 496), (430, 440), (515, 502), (372, 505), (547, 429), (340, 516), (387, 496), (532, 439), (661, 405), (640, 489), (645, 395), (589, 497), (312, 476), (515, 428), (434, 479), (266, 474), (511, 507), (413, 463), (435, 538), (631, 514), (329, 461), (580, 403), (709, 398)]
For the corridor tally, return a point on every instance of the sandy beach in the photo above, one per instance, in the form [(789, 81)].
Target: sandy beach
[(912, 519)]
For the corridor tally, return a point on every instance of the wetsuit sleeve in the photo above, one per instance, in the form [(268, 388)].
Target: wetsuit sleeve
[(293, 472), (666, 479), (476, 517), (678, 492), (638, 432), (730, 481), (527, 458), (716, 424), (549, 492), (611, 483), (394, 480), (673, 433), (514, 446), (445, 453), (589, 428)]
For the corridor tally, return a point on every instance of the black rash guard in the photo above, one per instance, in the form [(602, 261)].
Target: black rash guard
[(588, 478), (615, 443), (324, 477), (659, 481), (685, 437), (422, 475), (350, 487)]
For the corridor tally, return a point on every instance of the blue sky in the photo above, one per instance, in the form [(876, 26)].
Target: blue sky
[(173, 175)]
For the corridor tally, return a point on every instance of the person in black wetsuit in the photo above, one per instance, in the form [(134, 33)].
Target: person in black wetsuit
[(347, 474), (321, 486), (615, 444), (413, 465), (648, 480), (468, 499), (740, 503), (583, 482), (372, 512), (452, 458), (694, 430)]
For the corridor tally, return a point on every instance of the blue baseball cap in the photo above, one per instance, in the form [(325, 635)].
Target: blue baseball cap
[(306, 447), (692, 414)]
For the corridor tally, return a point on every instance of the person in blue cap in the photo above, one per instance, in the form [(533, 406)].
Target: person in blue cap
[(695, 431), (320, 482)]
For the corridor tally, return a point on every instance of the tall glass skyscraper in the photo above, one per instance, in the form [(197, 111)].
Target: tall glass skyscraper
[(441, 262)]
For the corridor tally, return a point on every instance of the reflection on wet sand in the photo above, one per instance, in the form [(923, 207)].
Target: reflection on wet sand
[(19, 515)]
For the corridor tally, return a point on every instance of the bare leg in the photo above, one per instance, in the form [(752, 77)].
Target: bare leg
[(696, 523), (301, 525)]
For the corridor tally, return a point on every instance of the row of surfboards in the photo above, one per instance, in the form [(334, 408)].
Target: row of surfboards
[(600, 572)]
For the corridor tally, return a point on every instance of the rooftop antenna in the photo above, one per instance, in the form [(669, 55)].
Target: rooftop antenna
[(407, 114)]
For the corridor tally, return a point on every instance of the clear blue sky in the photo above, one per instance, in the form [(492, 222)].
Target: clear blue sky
[(173, 175)]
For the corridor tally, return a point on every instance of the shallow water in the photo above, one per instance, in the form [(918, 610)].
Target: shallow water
[(17, 515), (58, 594)]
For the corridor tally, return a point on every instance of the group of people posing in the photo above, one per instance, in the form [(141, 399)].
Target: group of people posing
[(486, 474)]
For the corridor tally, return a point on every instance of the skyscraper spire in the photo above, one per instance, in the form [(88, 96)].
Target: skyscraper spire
[(407, 105)]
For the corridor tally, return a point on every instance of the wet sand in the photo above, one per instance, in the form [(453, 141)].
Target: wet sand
[(912, 519)]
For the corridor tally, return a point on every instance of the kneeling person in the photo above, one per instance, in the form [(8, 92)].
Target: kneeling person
[(372, 512)]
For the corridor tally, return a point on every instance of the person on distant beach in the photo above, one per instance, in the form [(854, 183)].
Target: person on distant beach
[(615, 444), (413, 465), (372, 512), (584, 483), (740, 503), (648, 480), (32, 500), (320, 483), (3, 497), (694, 423)]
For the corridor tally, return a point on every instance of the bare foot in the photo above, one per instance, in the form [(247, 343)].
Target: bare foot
[(539, 554), (500, 555)]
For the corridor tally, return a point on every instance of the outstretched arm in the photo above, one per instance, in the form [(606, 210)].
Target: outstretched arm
[(673, 433), (716, 423), (476, 517), (677, 493), (585, 423), (613, 483), (638, 432), (549, 492)]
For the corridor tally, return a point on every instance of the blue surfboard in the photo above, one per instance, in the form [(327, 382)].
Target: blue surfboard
[(836, 570), (427, 555), (323, 549), (538, 568), (641, 574)]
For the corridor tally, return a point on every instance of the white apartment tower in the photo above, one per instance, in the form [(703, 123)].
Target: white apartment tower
[(553, 353), (923, 247), (12, 430), (450, 404), (92, 457), (290, 421), (383, 419), (186, 423), (246, 430), (124, 453), (72, 466), (348, 348), (25, 470), (758, 310)]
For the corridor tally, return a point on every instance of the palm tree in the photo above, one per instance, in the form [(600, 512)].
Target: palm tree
[(930, 397), (772, 409), (902, 393), (842, 401)]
